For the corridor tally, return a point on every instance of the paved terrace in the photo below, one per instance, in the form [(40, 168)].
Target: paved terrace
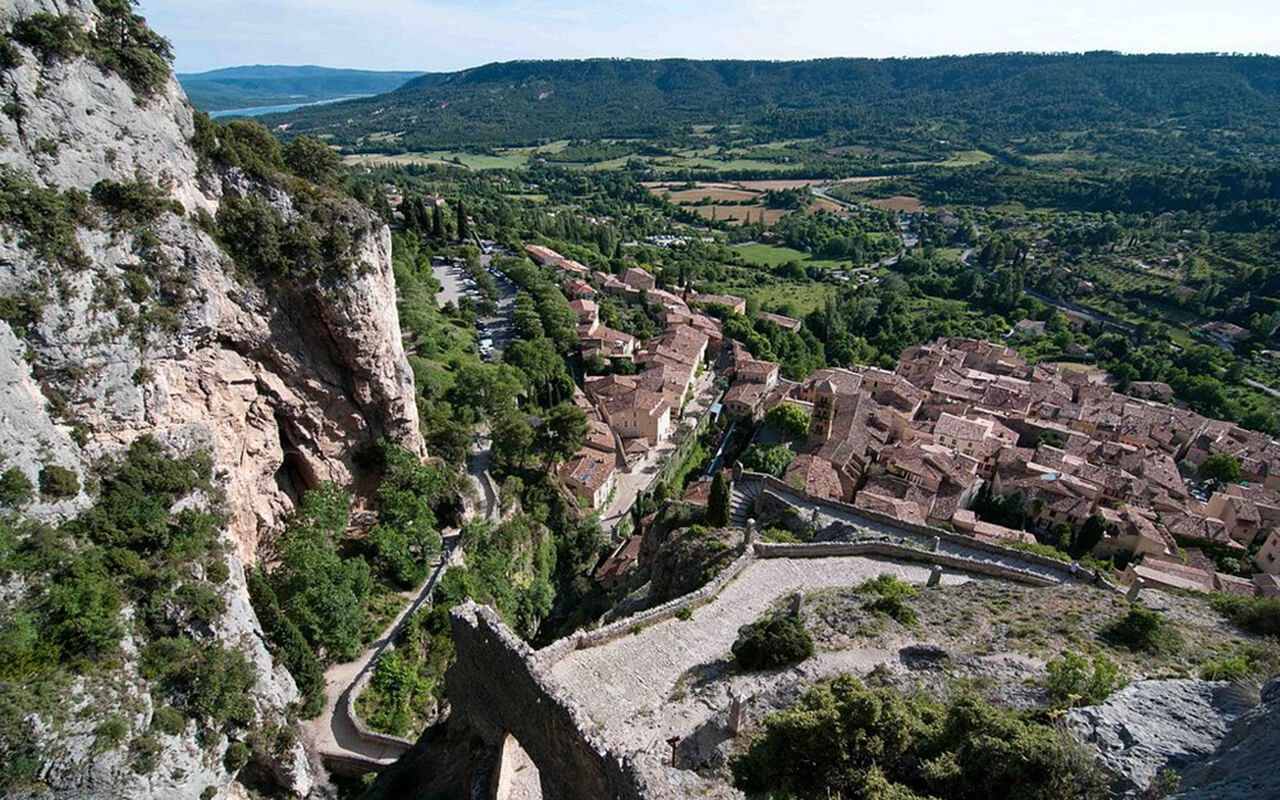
[(625, 686)]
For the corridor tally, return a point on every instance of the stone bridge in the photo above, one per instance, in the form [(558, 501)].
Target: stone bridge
[(596, 711)]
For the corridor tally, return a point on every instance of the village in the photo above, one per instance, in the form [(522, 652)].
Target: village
[(964, 435)]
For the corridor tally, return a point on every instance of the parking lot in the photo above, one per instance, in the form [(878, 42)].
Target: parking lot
[(495, 331)]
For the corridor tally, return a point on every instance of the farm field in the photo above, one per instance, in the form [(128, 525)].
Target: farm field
[(698, 195), (911, 205), (738, 213), (472, 161), (768, 255)]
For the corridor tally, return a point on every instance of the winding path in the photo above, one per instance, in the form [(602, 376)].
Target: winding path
[(334, 733)]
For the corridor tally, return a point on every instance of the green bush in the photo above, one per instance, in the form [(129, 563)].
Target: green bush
[(845, 739), (890, 595), (15, 488), (1143, 630), (236, 757), (145, 752), (47, 219), (1259, 615), (217, 572), (1259, 660), (288, 645), (10, 56), (58, 482), (768, 460), (1227, 668), (138, 202), (1077, 681), (209, 682), (168, 719), (110, 733), (775, 641)]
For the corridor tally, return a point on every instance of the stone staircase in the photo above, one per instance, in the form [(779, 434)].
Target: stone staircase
[(742, 502)]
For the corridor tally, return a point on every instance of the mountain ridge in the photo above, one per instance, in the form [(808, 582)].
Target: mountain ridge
[(272, 84), (993, 99)]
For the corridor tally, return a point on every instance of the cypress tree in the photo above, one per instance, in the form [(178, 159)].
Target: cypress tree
[(718, 502), (463, 231), (437, 221)]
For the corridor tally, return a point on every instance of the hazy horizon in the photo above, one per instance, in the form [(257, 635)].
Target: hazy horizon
[(448, 35)]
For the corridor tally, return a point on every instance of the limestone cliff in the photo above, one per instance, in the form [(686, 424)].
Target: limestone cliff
[(154, 330)]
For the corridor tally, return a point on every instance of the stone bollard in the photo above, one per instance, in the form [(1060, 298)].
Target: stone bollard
[(797, 603), (737, 713), (934, 543), (935, 577), (749, 533), (1135, 589)]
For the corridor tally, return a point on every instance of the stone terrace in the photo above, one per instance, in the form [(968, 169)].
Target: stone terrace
[(626, 687)]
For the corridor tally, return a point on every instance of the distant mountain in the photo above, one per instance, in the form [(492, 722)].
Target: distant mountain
[(248, 87), (1209, 104)]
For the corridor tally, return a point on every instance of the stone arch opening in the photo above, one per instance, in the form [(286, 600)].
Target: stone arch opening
[(515, 776)]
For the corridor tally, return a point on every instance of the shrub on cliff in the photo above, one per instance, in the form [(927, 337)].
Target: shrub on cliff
[(1076, 681), (855, 741), (58, 482), (889, 596), (775, 641), (121, 43), (1143, 630), (1259, 615), (15, 488)]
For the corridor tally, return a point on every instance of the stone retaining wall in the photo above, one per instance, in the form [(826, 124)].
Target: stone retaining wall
[(902, 553), (365, 733)]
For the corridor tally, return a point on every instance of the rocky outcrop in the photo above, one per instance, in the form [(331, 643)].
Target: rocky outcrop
[(155, 332), (1240, 767), (1151, 726), (299, 378)]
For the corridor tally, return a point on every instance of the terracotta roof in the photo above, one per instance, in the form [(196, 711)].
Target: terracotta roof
[(786, 323)]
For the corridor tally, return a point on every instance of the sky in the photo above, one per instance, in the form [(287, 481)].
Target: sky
[(446, 35)]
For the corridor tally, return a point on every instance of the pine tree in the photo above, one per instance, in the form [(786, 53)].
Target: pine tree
[(718, 502)]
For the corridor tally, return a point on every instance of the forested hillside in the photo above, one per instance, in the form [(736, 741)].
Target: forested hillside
[(1131, 106), (245, 87)]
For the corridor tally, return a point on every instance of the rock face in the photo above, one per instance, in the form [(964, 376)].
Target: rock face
[(1154, 725), (1240, 767), (283, 387)]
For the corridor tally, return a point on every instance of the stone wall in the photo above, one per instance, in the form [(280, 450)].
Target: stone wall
[(496, 688), (901, 553)]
